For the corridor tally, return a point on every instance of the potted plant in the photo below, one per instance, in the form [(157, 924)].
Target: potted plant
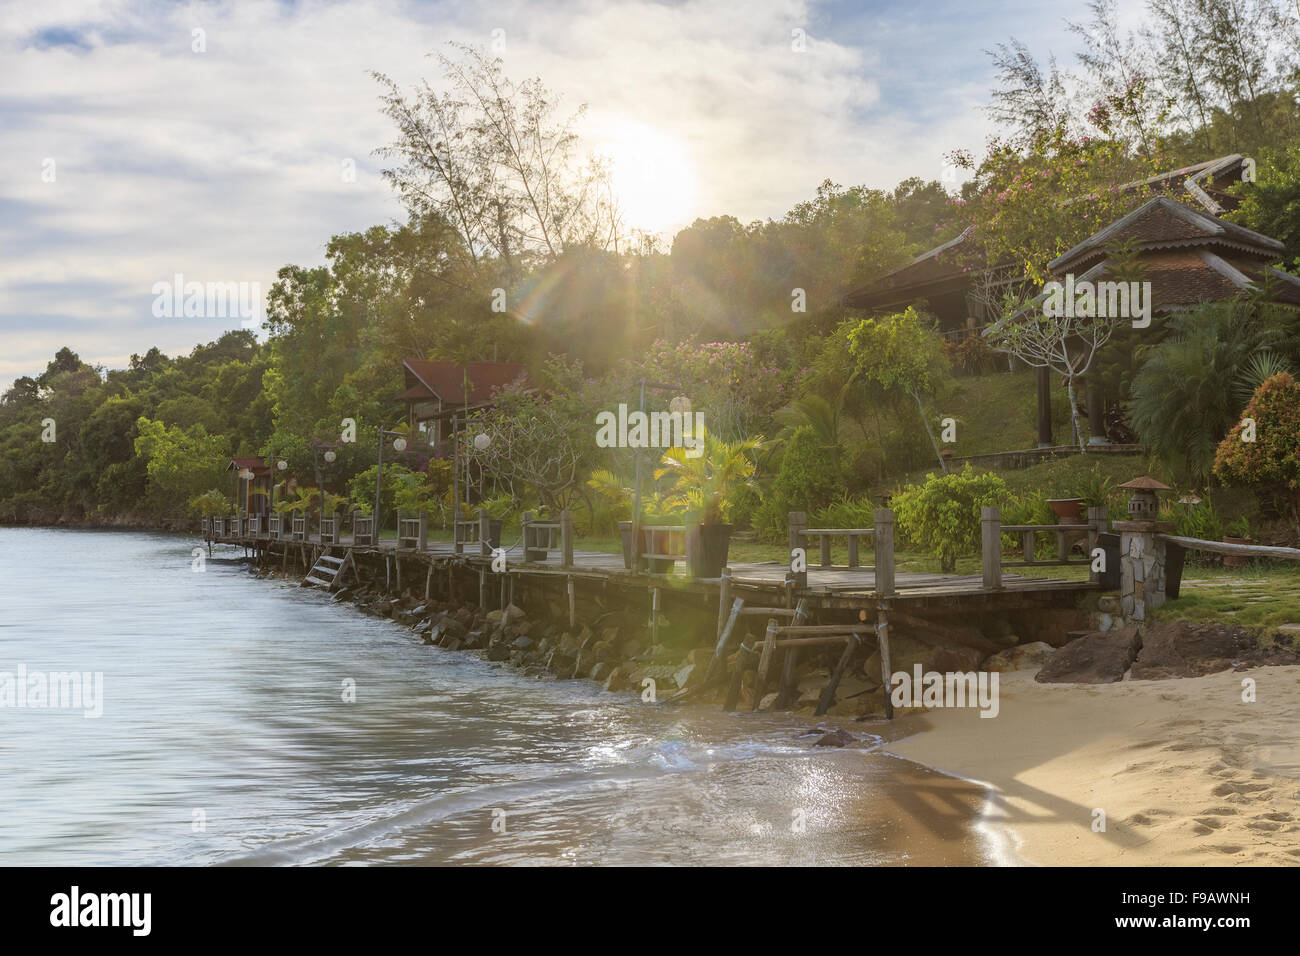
[(704, 486), (1237, 532)]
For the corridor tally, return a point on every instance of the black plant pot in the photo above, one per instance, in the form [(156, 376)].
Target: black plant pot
[(706, 549)]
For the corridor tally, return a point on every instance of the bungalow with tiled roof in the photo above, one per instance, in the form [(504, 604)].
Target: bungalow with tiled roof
[(438, 390), (1189, 255), (251, 483)]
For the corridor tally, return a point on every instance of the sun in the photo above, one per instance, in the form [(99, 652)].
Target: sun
[(652, 176)]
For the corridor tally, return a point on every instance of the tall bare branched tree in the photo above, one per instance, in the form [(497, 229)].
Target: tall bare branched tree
[(497, 161)]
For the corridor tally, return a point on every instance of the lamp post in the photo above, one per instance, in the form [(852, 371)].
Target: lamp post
[(399, 446)]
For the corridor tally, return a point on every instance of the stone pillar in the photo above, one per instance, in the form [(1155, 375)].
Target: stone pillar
[(1142, 568)]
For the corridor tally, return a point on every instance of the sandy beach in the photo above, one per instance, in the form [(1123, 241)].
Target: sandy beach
[(1185, 771)]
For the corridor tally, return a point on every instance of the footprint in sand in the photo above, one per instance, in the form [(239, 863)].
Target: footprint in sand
[(1227, 848), (1209, 823), (1223, 789), (1277, 815), (1139, 767), (1263, 826), (1221, 811)]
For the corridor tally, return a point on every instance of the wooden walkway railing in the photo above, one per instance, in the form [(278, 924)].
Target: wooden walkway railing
[(476, 530), (992, 529), (540, 538), (413, 532), (1239, 550)]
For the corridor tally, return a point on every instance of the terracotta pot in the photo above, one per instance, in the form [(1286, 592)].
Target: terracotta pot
[(1067, 510)]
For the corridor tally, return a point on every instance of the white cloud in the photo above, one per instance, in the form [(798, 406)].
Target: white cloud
[(224, 165)]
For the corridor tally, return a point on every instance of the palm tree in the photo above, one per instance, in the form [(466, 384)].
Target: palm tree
[(705, 483)]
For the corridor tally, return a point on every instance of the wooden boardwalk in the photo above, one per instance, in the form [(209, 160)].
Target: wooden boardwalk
[(833, 587)]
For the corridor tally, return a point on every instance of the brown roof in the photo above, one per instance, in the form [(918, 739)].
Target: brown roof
[(1146, 482), (1182, 277), (426, 378), (1162, 223), (240, 462), (937, 270)]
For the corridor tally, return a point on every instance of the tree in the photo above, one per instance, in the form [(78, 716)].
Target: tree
[(491, 157), (705, 484), (543, 441), (1272, 204), (942, 516), (900, 354), (1183, 395), (182, 463), (1273, 458)]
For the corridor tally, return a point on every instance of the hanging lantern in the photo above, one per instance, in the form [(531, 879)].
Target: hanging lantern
[(399, 444), (330, 456), (282, 464), (482, 440)]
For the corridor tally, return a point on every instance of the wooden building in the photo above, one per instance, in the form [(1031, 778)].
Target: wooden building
[(1190, 256), (438, 392), (251, 482)]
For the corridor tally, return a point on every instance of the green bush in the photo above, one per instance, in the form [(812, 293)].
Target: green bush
[(942, 516), (806, 480), (210, 503), (845, 512)]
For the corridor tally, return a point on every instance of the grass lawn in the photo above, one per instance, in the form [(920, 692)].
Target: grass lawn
[(1258, 595)]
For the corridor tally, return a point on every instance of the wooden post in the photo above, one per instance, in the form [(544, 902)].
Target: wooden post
[(724, 636), (355, 515), (884, 545), (882, 638), (482, 590), (853, 551), (765, 661), (1097, 518), (785, 690), (828, 693), (724, 600), (566, 537), (654, 616), (824, 545), (423, 542), (991, 552), (737, 676), (397, 563), (428, 581), (573, 604), (798, 522), (525, 520), (484, 532)]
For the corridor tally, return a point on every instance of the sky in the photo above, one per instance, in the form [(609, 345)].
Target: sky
[(140, 141)]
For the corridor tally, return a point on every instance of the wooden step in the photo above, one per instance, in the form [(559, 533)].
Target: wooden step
[(332, 560), (311, 579)]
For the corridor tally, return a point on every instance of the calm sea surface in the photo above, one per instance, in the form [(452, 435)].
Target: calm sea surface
[(225, 738)]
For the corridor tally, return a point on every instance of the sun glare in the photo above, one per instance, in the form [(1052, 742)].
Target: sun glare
[(653, 177)]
